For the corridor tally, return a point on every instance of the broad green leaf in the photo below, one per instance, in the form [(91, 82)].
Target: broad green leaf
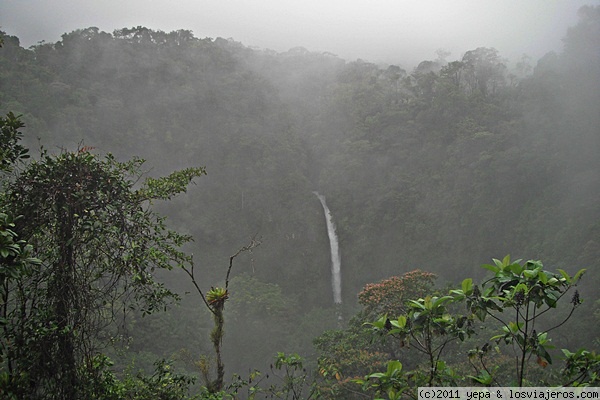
[(551, 298), (543, 338), (543, 277), (393, 367), (400, 322), (495, 269), (565, 275), (379, 324), (515, 268), (515, 326), (467, 286), (416, 304), (441, 300), (530, 273), (553, 281), (428, 302)]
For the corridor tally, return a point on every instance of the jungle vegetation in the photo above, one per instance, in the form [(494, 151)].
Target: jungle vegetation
[(134, 164)]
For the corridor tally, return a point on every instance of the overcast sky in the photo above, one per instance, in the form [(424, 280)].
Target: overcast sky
[(388, 31)]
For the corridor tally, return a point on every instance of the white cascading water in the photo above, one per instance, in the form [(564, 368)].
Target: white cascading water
[(336, 273)]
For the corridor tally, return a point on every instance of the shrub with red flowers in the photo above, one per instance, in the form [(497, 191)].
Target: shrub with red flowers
[(389, 295)]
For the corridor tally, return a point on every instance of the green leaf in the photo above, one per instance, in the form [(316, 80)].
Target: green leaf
[(379, 324), (515, 268), (543, 277), (565, 275), (551, 299), (498, 337), (529, 273), (438, 302), (567, 353), (515, 326), (394, 367), (484, 378), (492, 268), (467, 286), (541, 352), (416, 304), (400, 322), (578, 275)]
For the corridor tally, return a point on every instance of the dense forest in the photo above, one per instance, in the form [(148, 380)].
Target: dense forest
[(436, 170)]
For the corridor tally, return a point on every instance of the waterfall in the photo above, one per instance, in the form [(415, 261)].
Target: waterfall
[(336, 273)]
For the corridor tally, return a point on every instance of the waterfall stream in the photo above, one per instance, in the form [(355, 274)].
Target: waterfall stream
[(336, 273)]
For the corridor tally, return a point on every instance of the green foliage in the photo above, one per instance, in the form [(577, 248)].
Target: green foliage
[(392, 382), (11, 150), (288, 380), (163, 384), (353, 353), (517, 296), (99, 244), (525, 292), (217, 296), (166, 187), (582, 368), (422, 165), (294, 380), (344, 356), (428, 326)]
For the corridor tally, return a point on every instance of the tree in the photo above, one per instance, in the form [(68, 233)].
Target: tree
[(390, 295), (16, 260), (11, 151), (484, 70), (100, 244), (517, 296), (428, 326), (353, 352), (214, 300)]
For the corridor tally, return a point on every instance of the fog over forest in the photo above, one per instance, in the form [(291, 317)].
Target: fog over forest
[(402, 33), (311, 187)]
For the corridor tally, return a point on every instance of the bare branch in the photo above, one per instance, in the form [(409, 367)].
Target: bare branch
[(254, 242)]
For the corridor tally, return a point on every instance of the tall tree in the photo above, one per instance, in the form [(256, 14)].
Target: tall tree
[(484, 70), (100, 243)]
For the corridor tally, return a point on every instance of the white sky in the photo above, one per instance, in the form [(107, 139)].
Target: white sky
[(389, 31)]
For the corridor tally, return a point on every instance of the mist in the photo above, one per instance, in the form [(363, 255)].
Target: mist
[(390, 32), (442, 135)]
